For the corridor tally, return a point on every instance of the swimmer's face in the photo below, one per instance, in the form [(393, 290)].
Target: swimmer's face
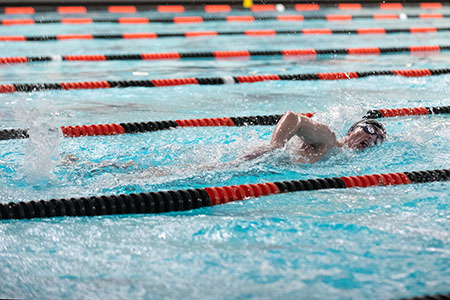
[(358, 139), (362, 137)]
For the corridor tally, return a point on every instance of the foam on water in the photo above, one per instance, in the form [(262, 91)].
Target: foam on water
[(40, 155)]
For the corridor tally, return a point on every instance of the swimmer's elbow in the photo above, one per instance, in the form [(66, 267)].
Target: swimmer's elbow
[(332, 140), (277, 144)]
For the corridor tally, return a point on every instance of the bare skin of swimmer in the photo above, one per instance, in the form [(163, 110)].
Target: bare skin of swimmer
[(317, 138)]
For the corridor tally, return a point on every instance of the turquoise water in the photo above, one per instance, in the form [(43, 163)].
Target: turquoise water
[(382, 243)]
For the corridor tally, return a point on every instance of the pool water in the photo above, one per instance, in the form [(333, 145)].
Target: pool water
[(382, 242)]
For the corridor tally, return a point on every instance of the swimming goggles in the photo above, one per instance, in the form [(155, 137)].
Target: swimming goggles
[(371, 130)]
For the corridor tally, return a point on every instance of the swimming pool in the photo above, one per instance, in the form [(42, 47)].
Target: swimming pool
[(381, 242)]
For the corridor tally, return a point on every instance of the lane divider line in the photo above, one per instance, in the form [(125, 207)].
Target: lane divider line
[(191, 34), (182, 200), (286, 53), (214, 8), (35, 87), (240, 18), (140, 127)]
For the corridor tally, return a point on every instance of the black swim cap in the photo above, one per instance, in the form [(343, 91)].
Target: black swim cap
[(375, 123)]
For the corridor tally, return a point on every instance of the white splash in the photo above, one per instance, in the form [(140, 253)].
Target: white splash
[(340, 117), (41, 148)]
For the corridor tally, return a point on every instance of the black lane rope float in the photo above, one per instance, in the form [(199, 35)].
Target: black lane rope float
[(34, 87), (430, 297), (140, 127), (200, 19), (287, 53), (181, 200), (212, 8), (190, 34)]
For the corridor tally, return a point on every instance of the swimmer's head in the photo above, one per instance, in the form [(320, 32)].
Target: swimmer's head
[(365, 133)]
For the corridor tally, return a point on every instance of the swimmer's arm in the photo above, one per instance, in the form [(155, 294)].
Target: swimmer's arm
[(312, 132), (318, 136), (288, 126)]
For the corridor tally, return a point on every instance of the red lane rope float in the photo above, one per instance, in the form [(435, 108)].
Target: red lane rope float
[(200, 19), (71, 9), (34, 87), (398, 112), (286, 53), (140, 127), (190, 34), (181, 200), (212, 8)]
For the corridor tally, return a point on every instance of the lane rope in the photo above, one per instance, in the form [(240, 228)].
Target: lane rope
[(430, 297), (400, 112), (182, 200), (231, 19), (215, 8), (141, 127), (212, 33), (286, 53), (34, 87)]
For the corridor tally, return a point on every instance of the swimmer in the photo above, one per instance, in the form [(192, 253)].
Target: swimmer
[(309, 141), (317, 139)]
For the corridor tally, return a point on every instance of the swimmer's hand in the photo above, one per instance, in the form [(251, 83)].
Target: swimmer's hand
[(257, 152), (69, 159)]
